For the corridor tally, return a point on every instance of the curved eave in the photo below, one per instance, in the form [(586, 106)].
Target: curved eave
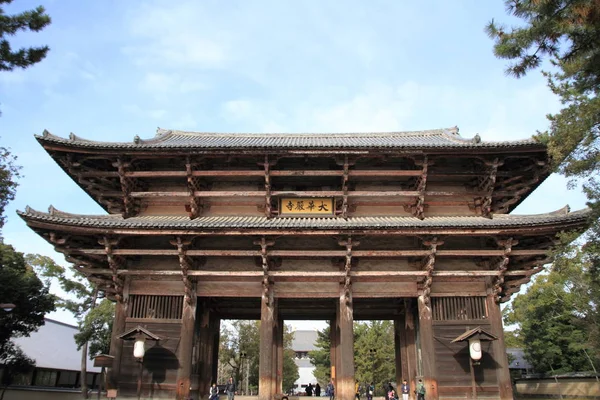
[(436, 140), (549, 223)]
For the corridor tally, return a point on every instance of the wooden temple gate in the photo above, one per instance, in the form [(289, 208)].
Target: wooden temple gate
[(406, 226)]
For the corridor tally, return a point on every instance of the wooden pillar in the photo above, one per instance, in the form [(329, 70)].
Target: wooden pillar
[(265, 368), (499, 349), (408, 347), (333, 331), (398, 352), (204, 352), (215, 331), (116, 344), (279, 356), (427, 349), (186, 342), (345, 350)]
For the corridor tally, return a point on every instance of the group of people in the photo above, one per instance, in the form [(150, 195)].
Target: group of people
[(390, 392), (230, 389)]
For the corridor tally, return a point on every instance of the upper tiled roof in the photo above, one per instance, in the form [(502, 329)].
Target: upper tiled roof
[(261, 222), (172, 139)]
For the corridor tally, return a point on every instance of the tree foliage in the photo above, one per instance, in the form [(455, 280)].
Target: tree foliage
[(96, 328), (243, 337), (9, 173), (373, 354), (321, 358), (32, 20), (20, 285), (566, 34), (559, 317)]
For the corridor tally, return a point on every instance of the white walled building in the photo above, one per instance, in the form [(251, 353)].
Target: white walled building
[(304, 342)]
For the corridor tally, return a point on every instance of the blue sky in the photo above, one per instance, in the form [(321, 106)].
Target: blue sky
[(117, 69)]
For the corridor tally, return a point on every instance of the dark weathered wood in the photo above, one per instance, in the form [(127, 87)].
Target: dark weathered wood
[(499, 350), (427, 349), (184, 355), (345, 373), (204, 352), (265, 368), (116, 344)]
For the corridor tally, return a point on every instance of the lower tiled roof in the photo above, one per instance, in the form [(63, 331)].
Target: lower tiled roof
[(261, 222)]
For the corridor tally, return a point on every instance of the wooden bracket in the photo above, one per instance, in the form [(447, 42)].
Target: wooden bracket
[(193, 185), (417, 208), (114, 263), (186, 264), (131, 206), (502, 267), (428, 266), (264, 244)]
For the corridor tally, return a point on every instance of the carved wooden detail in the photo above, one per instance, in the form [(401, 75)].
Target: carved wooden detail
[(114, 263), (502, 266), (193, 186), (186, 264), (131, 206), (428, 267), (265, 264)]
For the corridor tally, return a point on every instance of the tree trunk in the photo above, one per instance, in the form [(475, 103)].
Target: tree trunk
[(84, 354)]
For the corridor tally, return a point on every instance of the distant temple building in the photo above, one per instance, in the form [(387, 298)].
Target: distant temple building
[(412, 227), (303, 343)]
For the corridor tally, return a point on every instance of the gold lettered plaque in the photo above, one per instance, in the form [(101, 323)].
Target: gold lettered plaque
[(306, 206)]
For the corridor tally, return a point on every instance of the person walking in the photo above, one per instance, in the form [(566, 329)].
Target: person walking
[(309, 389), (317, 390), (405, 390), (420, 390), (214, 392), (230, 389), (370, 391), (357, 391), (330, 390)]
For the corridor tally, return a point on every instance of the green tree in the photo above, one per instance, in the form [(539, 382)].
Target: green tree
[(321, 358), (80, 300), (243, 337), (19, 285), (566, 34), (32, 20), (9, 173), (374, 354), (553, 328)]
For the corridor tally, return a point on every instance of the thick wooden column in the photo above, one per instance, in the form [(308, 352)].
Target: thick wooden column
[(204, 361), (427, 349), (279, 356), (215, 335), (407, 337), (398, 353), (499, 349), (333, 346), (345, 349), (116, 344), (265, 368), (186, 342)]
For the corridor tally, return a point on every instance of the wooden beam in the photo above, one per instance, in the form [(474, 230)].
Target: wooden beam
[(310, 253)]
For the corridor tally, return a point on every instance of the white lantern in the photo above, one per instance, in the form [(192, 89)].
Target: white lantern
[(138, 347), (475, 349)]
